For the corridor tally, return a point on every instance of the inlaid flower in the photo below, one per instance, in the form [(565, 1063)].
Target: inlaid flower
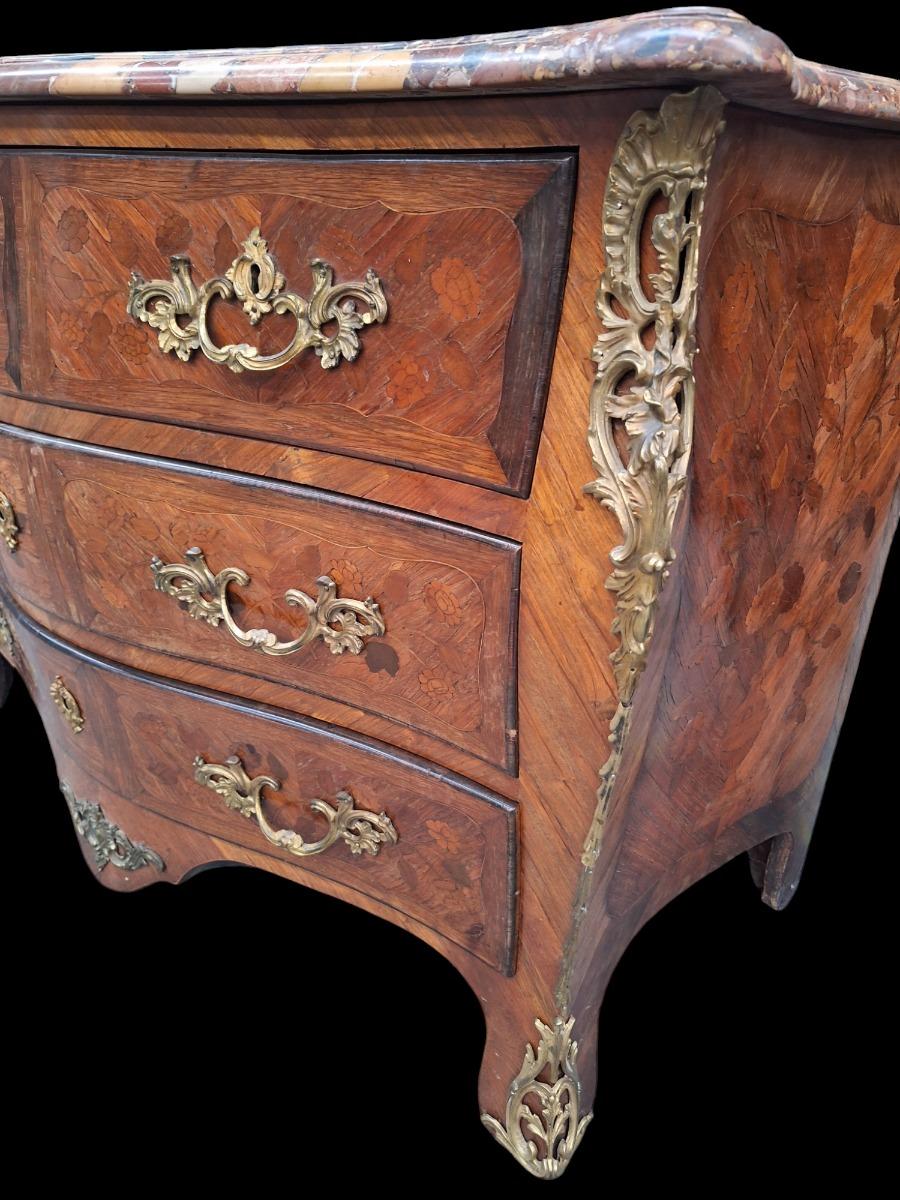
[(174, 234), (410, 380), (842, 355), (132, 343), (443, 603), (452, 882), (457, 289), (437, 683), (69, 284), (73, 230), (347, 576), (96, 339), (71, 332), (444, 836)]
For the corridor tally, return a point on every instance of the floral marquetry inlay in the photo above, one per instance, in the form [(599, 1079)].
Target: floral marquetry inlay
[(173, 235), (438, 684), (410, 380), (443, 603), (73, 229), (457, 289)]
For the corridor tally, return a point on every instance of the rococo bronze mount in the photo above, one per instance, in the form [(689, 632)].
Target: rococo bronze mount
[(649, 260)]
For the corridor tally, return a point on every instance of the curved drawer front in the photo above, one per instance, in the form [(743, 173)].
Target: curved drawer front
[(456, 322), (445, 597), (436, 848)]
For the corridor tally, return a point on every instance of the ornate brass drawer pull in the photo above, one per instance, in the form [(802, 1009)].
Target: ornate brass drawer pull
[(361, 830), (254, 279), (341, 624), (9, 530)]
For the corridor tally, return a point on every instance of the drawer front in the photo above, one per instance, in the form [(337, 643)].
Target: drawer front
[(446, 597), (469, 252), (433, 846), (23, 555)]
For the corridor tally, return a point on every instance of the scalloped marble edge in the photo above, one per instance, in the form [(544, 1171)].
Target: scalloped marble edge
[(666, 47)]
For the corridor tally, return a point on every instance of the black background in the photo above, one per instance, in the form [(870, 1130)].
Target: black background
[(240, 1030)]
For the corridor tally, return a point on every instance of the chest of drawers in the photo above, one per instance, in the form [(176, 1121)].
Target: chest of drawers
[(455, 477)]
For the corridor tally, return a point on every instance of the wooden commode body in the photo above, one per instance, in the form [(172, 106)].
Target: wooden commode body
[(456, 477)]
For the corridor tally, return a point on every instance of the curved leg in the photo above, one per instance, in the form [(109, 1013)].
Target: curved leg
[(533, 1099), (776, 865)]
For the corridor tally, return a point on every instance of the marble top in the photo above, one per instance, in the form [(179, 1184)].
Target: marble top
[(669, 47)]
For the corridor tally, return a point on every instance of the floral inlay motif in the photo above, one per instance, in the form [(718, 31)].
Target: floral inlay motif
[(73, 230), (122, 240), (844, 350), (443, 603), (71, 333), (438, 684), (132, 344), (346, 575), (69, 284), (457, 289), (452, 892), (410, 380), (174, 234), (446, 838)]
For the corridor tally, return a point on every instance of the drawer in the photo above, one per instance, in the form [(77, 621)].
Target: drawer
[(470, 252), (445, 596), (428, 844)]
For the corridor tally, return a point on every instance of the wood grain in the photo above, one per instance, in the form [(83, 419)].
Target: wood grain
[(445, 667), (794, 499), (453, 868), (470, 251), (781, 538), (9, 313)]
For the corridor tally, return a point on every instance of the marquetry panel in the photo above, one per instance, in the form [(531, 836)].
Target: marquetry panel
[(470, 252), (450, 869), (445, 666)]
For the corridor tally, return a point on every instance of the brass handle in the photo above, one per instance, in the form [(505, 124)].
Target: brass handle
[(341, 624), (361, 830), (9, 530), (254, 279)]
